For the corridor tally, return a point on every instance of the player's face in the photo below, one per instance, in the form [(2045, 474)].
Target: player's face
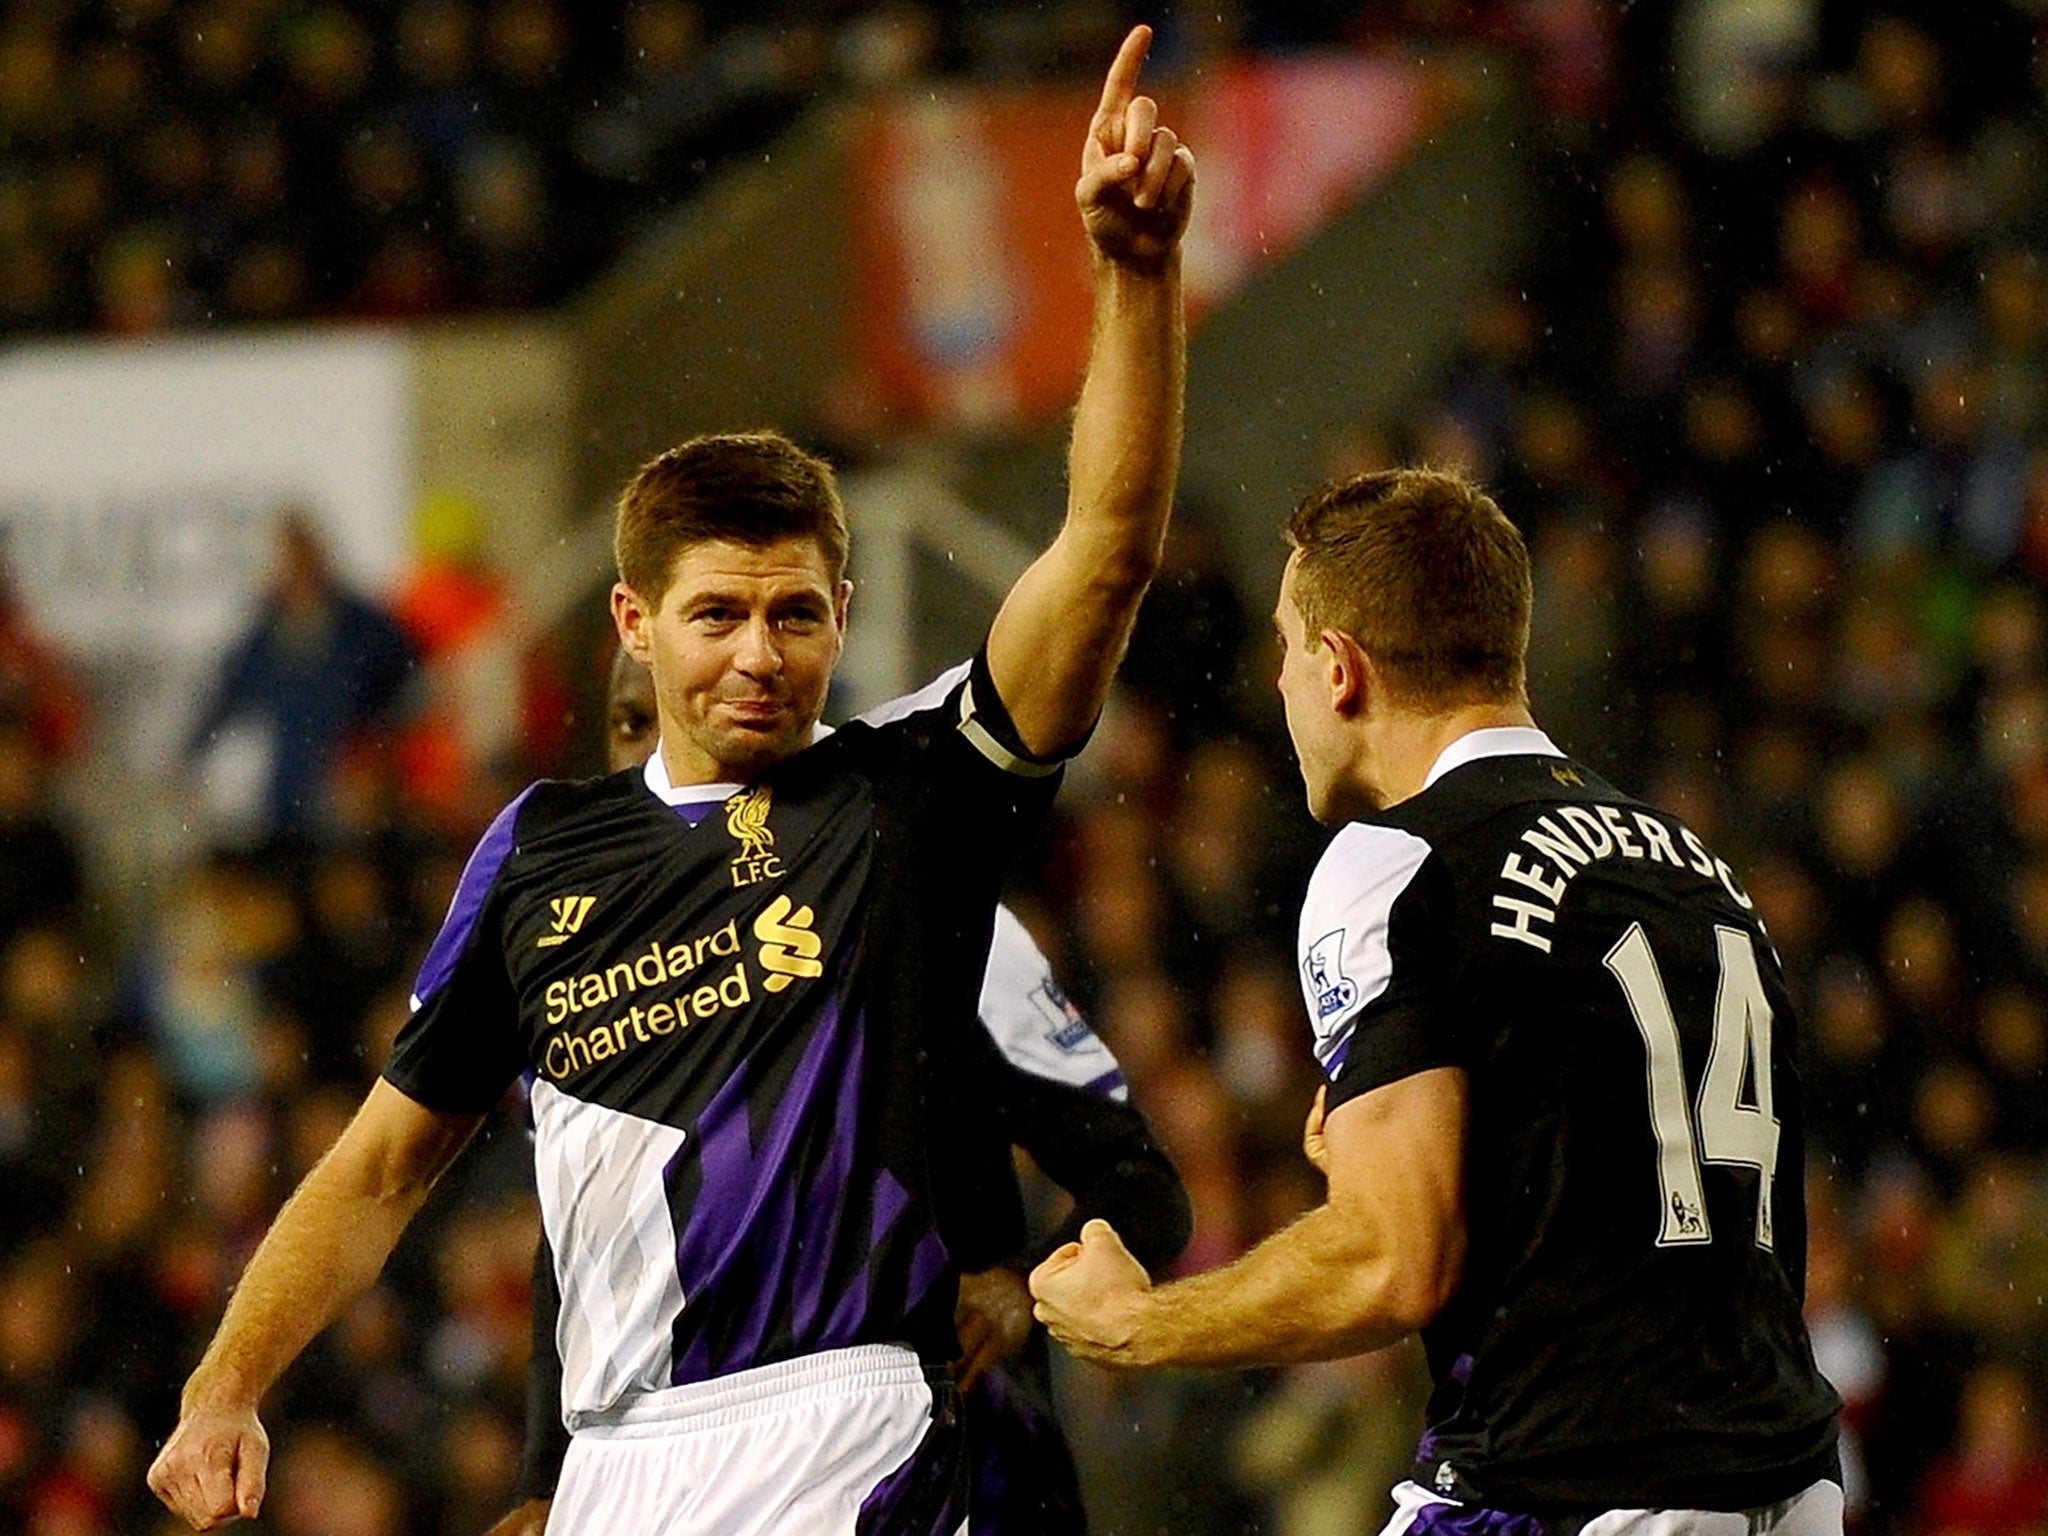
[(742, 646), (1305, 696), (631, 723)]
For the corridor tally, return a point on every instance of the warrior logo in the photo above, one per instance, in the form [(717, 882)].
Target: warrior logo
[(746, 818), (569, 912)]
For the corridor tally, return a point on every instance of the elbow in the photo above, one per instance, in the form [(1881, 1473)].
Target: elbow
[(1121, 580), (1421, 1283), (1121, 559), (1400, 1291), (1410, 1303)]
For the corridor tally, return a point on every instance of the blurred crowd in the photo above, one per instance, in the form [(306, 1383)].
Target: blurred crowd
[(175, 163), (1768, 399)]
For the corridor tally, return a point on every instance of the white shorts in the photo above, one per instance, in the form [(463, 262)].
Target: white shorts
[(850, 1442), (1814, 1511)]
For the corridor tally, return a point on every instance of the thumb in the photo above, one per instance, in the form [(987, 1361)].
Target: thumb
[(250, 1477), (1096, 1230), (1054, 1262)]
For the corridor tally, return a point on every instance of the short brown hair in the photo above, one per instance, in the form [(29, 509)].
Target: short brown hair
[(747, 487), (1427, 574)]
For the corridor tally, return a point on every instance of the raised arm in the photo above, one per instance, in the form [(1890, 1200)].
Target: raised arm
[(1372, 1264), (325, 1249), (1062, 630)]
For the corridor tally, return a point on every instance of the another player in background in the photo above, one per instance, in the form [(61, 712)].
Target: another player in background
[(1562, 1126), (746, 981), (1055, 1091)]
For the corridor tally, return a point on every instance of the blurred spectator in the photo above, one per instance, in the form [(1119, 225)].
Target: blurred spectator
[(1990, 1263), (195, 988), (1846, 1346), (42, 874), (326, 1482), (316, 665), (38, 690), (1185, 653), (1994, 1479), (1327, 1444), (490, 704)]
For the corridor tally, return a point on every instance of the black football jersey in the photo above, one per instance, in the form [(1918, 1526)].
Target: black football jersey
[(1627, 1333), (735, 1003)]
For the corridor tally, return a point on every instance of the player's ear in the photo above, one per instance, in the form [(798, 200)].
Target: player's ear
[(632, 617), (842, 599), (1350, 674)]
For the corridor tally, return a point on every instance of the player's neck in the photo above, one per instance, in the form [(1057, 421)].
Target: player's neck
[(1408, 743), (684, 764)]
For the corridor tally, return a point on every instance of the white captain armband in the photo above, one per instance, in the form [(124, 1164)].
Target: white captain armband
[(975, 726)]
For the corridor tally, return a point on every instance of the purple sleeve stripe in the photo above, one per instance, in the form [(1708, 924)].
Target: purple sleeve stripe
[(1336, 1062), (477, 876), (1108, 1083)]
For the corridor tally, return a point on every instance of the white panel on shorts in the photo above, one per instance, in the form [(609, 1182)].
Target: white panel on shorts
[(1032, 1023), (1343, 956), (1815, 1510), (599, 1173), (792, 1447)]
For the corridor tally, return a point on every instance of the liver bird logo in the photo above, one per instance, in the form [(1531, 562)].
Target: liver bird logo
[(746, 818)]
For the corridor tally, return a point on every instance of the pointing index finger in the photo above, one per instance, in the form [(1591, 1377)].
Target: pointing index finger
[(1121, 83)]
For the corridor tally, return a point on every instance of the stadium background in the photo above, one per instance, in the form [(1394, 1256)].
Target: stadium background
[(1738, 305)]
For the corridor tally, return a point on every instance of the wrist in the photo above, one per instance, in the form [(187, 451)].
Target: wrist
[(218, 1390), (1147, 272), (1143, 1345)]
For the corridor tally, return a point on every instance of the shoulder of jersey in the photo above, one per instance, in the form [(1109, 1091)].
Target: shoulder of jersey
[(1367, 865), (554, 803)]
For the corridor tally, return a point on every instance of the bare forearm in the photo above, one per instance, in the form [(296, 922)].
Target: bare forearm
[(1312, 1291), (328, 1244), (1125, 453), (1056, 644), (1374, 1263), (325, 1249)]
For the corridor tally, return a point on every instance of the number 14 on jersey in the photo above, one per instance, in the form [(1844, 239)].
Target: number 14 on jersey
[(1718, 1127)]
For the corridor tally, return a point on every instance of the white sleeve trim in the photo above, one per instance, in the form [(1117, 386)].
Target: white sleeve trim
[(1345, 961), (930, 696)]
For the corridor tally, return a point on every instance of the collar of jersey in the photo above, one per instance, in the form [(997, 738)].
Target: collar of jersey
[(656, 776), (1493, 741)]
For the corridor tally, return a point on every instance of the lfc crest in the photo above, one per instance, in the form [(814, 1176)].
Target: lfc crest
[(746, 818)]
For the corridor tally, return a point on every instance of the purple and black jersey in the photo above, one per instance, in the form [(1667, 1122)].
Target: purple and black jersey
[(740, 1030), (1627, 1332)]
